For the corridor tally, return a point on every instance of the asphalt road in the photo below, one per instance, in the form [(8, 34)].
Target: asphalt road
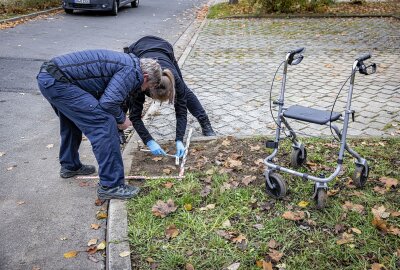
[(42, 215)]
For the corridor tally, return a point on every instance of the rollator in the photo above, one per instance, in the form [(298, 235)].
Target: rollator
[(275, 184)]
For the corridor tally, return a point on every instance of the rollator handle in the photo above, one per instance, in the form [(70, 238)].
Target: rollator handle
[(292, 60), (364, 57)]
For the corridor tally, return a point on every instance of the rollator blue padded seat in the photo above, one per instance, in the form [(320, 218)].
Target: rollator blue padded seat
[(310, 115)]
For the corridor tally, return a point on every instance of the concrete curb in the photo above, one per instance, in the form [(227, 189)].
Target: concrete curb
[(31, 15), (117, 222), (310, 16)]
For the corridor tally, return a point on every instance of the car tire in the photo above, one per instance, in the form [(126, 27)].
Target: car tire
[(68, 11), (114, 10), (135, 3)]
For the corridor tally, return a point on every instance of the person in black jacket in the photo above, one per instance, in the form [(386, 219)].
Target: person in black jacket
[(86, 90), (185, 99)]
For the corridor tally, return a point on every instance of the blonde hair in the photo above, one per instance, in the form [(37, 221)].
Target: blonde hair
[(166, 89), (153, 69)]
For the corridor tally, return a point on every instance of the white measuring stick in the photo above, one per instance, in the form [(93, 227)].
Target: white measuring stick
[(176, 157), (182, 169)]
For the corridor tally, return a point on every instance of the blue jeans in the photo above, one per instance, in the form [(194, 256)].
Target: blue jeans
[(79, 112)]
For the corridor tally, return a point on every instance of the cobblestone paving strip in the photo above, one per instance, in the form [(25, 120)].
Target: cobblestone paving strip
[(233, 62)]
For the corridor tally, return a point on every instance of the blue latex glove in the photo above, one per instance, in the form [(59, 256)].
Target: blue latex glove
[(180, 149), (155, 148)]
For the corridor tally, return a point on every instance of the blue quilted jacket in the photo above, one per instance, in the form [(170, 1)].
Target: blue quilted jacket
[(108, 75)]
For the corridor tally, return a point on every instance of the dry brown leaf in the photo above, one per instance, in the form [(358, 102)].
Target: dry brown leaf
[(232, 163), (333, 192), (379, 190), (91, 249), (189, 266), (150, 260), (258, 226), (102, 245), (70, 254), (226, 224), (99, 202), (101, 215), (239, 239), (377, 266), (162, 209), (124, 254), (380, 224), (255, 147), (267, 265), (259, 162), (168, 185), (275, 255), (205, 191), (380, 212), (355, 230), (207, 207), (395, 214), (297, 215), (157, 158), (95, 226), (346, 238), (389, 182), (171, 232), (225, 186), (92, 242), (394, 230), (233, 266), (272, 244), (353, 207), (247, 179), (226, 142), (166, 171)]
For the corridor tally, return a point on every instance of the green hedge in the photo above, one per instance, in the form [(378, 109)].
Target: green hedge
[(24, 6), (287, 6)]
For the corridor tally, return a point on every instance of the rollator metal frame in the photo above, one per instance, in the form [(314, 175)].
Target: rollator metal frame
[(293, 58)]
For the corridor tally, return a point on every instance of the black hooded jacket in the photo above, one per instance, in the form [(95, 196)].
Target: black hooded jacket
[(162, 50)]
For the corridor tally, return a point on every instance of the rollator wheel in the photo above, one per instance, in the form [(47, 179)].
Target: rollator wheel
[(321, 198), (359, 177), (279, 186), (295, 158)]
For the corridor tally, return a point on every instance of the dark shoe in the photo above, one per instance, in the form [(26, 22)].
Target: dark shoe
[(206, 129), (121, 192), (84, 170)]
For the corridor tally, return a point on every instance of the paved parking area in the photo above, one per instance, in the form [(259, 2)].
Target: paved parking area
[(233, 62)]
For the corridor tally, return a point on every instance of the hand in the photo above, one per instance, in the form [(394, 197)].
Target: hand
[(125, 125), (155, 148), (180, 149)]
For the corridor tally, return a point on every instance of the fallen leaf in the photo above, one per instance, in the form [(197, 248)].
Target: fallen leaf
[(95, 226), (101, 215), (11, 167), (205, 191), (226, 224), (124, 254), (267, 265), (232, 163), (258, 226), (247, 179), (353, 207), (207, 207), (168, 185), (210, 171), (225, 186), (379, 190), (150, 260), (20, 202), (275, 255), (377, 266), (188, 207), (92, 242), (333, 192), (339, 228), (224, 234), (35, 268), (162, 209), (380, 224), (255, 147), (297, 215), (233, 266), (91, 250), (226, 142), (189, 266), (239, 239), (328, 65), (395, 214), (157, 158), (380, 212), (70, 254), (355, 230), (166, 171), (49, 146), (389, 182), (272, 244), (259, 162), (102, 245), (303, 204), (345, 238), (99, 202)]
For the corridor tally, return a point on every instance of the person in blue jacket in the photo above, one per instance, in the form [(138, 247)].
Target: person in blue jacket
[(86, 90), (185, 100)]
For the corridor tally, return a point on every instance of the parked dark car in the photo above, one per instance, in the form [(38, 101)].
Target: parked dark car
[(97, 5)]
